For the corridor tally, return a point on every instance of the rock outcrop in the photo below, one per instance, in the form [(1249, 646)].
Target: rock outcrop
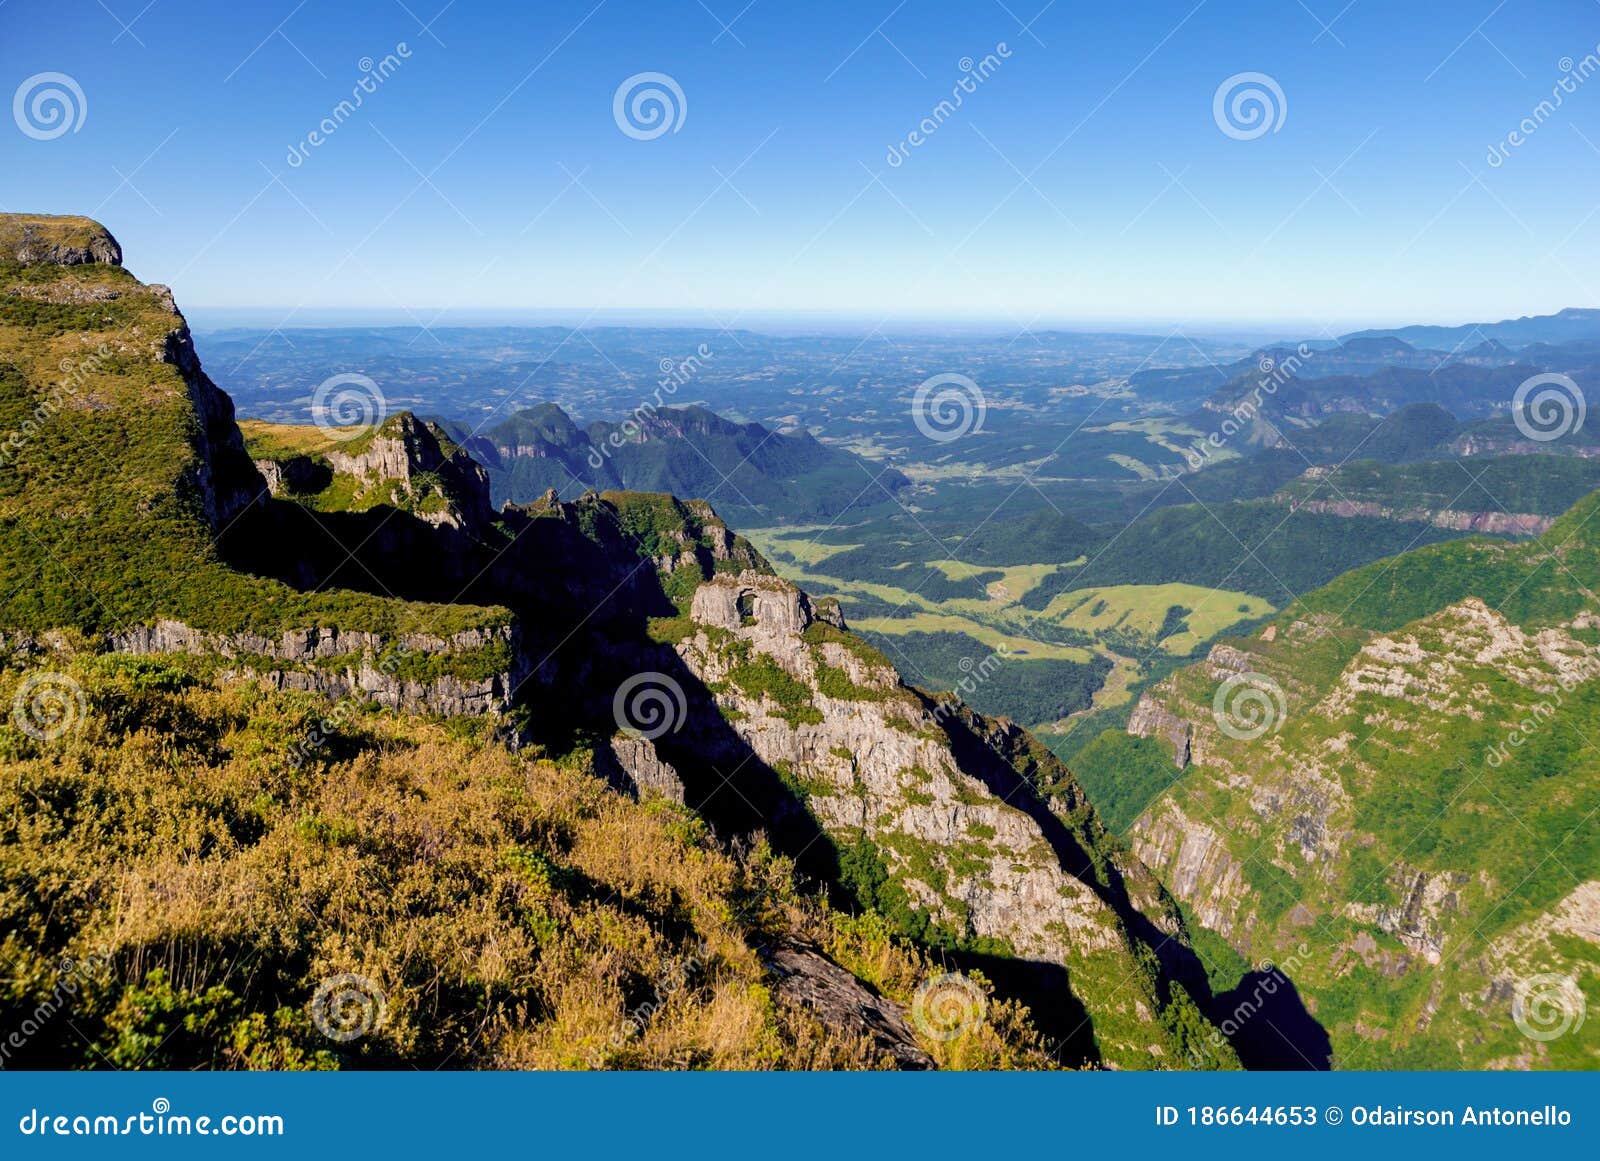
[(807, 977), (971, 823), (402, 673), (60, 240)]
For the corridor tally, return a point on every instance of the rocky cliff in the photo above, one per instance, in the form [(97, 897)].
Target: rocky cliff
[(1387, 794), (369, 564)]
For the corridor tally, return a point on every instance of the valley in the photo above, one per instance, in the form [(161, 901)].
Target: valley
[(1097, 719)]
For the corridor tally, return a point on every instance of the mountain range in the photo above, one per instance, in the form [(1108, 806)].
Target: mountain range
[(755, 474), (567, 784), (533, 772)]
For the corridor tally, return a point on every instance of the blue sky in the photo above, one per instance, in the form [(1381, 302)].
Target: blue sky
[(1085, 181)]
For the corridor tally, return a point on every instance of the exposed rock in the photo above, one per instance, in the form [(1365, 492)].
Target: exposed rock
[(64, 240), (633, 766), (372, 667), (808, 978), (1151, 719), (1496, 523), (404, 449), (977, 823)]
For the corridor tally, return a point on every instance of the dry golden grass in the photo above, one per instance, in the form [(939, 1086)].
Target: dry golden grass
[(513, 912)]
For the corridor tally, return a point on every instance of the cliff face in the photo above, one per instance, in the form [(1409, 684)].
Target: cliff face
[(1493, 523), (1396, 816), (372, 567), (49, 239), (963, 827)]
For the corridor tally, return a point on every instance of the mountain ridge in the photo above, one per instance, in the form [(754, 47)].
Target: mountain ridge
[(344, 549)]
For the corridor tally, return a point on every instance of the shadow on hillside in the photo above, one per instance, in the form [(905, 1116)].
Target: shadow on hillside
[(1293, 1040), (583, 603), (740, 795), (1269, 1025)]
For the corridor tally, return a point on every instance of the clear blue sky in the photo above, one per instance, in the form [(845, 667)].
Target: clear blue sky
[(1373, 201)]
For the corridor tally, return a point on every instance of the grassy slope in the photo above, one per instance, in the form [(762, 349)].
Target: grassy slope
[(101, 524), (1415, 785), (512, 912)]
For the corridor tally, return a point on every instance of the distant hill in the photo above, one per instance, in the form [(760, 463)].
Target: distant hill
[(756, 474), (1573, 325)]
